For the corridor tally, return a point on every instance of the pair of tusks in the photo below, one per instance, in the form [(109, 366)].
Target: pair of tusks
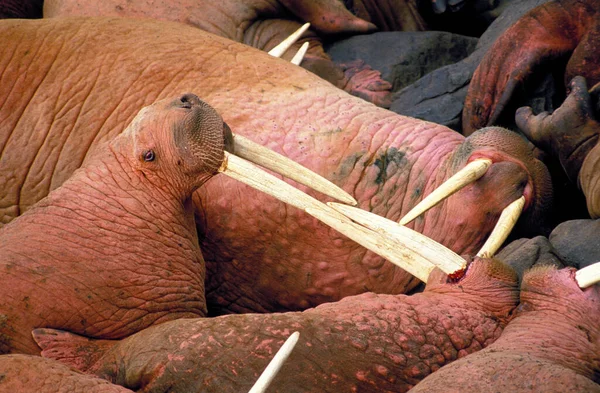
[(427, 249), (469, 174), (284, 45), (408, 249), (402, 246)]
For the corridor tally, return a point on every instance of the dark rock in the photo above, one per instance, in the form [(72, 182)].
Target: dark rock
[(439, 95), (24, 9), (403, 57), (522, 254), (577, 242)]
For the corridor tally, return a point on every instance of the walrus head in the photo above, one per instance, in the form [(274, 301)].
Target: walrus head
[(178, 141)]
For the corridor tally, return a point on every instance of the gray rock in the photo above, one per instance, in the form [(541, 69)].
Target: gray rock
[(577, 242), (403, 57), (523, 254), (439, 95)]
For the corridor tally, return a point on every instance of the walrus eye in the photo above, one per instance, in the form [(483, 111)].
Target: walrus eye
[(149, 155)]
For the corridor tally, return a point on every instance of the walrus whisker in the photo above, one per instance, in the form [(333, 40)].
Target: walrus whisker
[(470, 173), (439, 255), (284, 45), (267, 158), (299, 56), (265, 379), (509, 217)]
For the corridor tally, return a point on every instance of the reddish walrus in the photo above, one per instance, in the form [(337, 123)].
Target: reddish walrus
[(366, 343), (34, 374), (551, 346), (114, 249), (68, 84)]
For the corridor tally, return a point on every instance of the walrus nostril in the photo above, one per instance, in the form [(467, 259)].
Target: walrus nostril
[(188, 100)]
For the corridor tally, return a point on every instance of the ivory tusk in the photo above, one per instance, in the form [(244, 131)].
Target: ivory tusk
[(509, 217), (299, 56), (284, 45), (246, 172), (442, 257), (265, 379), (267, 158), (389, 249), (588, 276), (469, 174)]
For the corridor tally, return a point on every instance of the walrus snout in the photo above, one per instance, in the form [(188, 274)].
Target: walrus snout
[(189, 100)]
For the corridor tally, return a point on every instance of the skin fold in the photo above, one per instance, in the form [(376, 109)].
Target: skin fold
[(259, 23), (571, 135), (34, 374), (551, 345), (261, 255), (547, 35), (114, 249), (368, 343)]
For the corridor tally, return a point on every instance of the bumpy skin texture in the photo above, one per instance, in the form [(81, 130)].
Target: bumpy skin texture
[(259, 23), (34, 374), (546, 34), (378, 343), (552, 345), (114, 249), (571, 135), (261, 254)]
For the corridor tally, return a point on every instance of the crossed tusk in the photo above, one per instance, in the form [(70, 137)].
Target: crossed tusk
[(392, 250), (265, 379), (508, 218), (284, 45), (437, 254), (588, 276), (408, 249), (299, 56), (267, 158), (470, 173)]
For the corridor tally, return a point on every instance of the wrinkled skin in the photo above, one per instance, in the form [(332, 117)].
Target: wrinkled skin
[(114, 249), (552, 344), (571, 135), (261, 254), (545, 36), (362, 343), (34, 374), (259, 23)]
